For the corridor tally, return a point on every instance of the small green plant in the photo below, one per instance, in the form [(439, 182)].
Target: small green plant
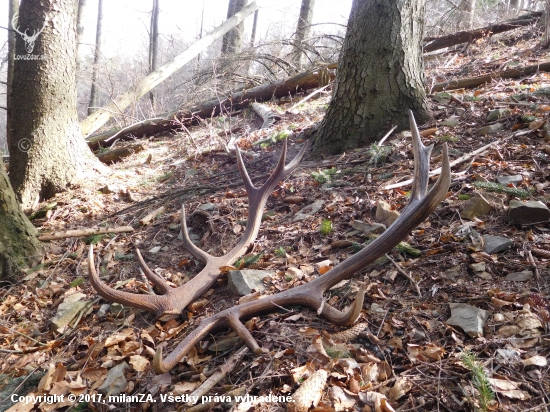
[(463, 197), (248, 260), (498, 188), (378, 154), (275, 137), (337, 351), (93, 239), (324, 176), (326, 227), (280, 252), (356, 247), (404, 247), (76, 282), (447, 138), (164, 177), (486, 396)]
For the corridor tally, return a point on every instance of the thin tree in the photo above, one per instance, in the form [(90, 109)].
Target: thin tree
[(47, 151), (13, 11), (154, 44), (380, 76), (254, 29), (81, 7), (92, 105), (233, 40), (303, 29)]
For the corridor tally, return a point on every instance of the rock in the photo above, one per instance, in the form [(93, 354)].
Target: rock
[(525, 213), (451, 121), (67, 311), (475, 207), (498, 114), (174, 227), (495, 244), (451, 273), (309, 210), (494, 128), (115, 382), (460, 111), (522, 276), (384, 213), (368, 228), (207, 207), (155, 250), (243, 282), (469, 318), (506, 180), (478, 267)]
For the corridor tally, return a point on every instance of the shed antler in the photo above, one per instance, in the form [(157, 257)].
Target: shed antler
[(174, 300), (311, 294)]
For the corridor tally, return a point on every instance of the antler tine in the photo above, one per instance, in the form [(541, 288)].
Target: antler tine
[(189, 245), (420, 206), (157, 280)]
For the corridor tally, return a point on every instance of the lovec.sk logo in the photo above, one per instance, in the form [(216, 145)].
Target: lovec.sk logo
[(29, 40)]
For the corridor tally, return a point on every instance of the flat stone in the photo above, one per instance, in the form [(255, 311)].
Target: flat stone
[(244, 282), (451, 121), (385, 214), (67, 311), (506, 180), (478, 267), (207, 207), (494, 128), (526, 213), (495, 244), (155, 250), (475, 207), (368, 228), (115, 382), (522, 276), (498, 114), (469, 318), (309, 210)]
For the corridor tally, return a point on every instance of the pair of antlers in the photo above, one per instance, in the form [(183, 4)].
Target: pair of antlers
[(174, 300)]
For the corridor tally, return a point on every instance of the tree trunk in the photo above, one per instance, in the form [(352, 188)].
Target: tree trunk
[(154, 44), (97, 54), (19, 247), (380, 76), (79, 30), (254, 29), (233, 40), (13, 9), (100, 117), (47, 151), (302, 31), (467, 12)]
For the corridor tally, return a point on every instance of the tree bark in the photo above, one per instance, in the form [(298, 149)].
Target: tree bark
[(79, 30), (100, 117), (154, 44), (254, 29), (233, 40), (380, 76), (13, 9), (47, 151), (19, 247), (97, 55), (303, 29)]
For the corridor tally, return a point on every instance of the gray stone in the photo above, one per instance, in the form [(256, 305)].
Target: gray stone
[(155, 250), (309, 210), (451, 121), (522, 276), (475, 207), (115, 382), (506, 180), (498, 114), (207, 207), (525, 213), (469, 318), (494, 128), (478, 267), (460, 111), (384, 213), (67, 311), (368, 228), (495, 244), (244, 282)]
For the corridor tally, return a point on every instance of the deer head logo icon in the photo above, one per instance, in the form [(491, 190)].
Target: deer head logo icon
[(29, 40)]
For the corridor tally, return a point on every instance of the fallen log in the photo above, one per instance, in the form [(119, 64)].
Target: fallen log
[(174, 120), (114, 156), (436, 43), (479, 80)]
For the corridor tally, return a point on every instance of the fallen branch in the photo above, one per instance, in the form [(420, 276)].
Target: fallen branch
[(116, 155), (479, 80), (147, 219), (431, 44), (268, 116), (84, 232)]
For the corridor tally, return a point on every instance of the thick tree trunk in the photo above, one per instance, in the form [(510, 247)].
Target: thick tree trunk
[(97, 55), (100, 117), (19, 247), (13, 9), (380, 76), (233, 40), (47, 151), (154, 44), (303, 29), (79, 30)]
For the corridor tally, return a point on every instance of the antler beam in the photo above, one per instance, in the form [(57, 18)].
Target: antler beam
[(420, 206), (174, 300)]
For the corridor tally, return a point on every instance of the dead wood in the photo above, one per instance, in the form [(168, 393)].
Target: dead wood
[(268, 116), (436, 43), (236, 101), (479, 80), (84, 232), (116, 155)]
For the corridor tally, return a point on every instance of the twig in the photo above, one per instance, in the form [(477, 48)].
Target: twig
[(406, 275), (309, 96), (84, 232), (381, 142), (147, 219)]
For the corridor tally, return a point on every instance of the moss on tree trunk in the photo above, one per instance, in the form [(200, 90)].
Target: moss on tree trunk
[(380, 76)]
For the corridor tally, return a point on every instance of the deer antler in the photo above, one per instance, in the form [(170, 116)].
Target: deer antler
[(311, 294), (174, 300)]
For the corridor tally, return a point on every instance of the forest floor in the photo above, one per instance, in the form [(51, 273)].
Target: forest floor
[(408, 353)]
